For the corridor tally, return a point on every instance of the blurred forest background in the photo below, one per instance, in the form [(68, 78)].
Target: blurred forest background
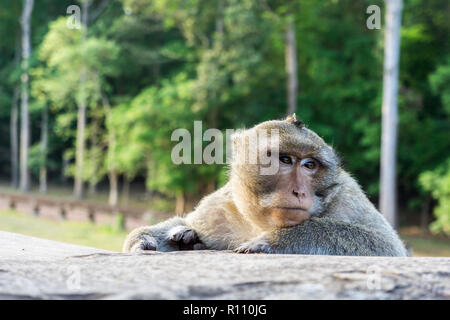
[(138, 69)]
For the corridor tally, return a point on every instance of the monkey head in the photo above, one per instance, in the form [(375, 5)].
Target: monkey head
[(281, 172)]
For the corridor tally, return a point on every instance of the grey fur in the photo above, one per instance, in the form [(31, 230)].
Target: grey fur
[(159, 236), (342, 219), (325, 236)]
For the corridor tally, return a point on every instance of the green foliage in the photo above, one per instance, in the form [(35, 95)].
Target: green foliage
[(437, 182), (150, 129), (155, 66), (37, 159), (440, 84), (67, 60)]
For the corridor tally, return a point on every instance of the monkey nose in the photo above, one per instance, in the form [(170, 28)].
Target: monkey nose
[(298, 194)]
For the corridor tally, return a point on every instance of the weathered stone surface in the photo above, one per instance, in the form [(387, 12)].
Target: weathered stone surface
[(34, 268)]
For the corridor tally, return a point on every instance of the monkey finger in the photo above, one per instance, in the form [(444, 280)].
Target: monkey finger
[(183, 234), (253, 247), (199, 246), (190, 236), (146, 243), (241, 250)]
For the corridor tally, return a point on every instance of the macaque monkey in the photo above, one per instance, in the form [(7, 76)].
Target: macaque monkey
[(307, 205)]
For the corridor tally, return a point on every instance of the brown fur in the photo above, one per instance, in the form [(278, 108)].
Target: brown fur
[(271, 213)]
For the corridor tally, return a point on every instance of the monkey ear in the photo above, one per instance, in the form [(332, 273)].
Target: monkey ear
[(293, 119)]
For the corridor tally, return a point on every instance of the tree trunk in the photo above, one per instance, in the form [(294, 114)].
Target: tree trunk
[(64, 166), (25, 116), (388, 196), (148, 179), (81, 126), (81, 120), (94, 179), (113, 178), (291, 67), (210, 187), (92, 188), (44, 150), (180, 203), (424, 215), (219, 20), (14, 133), (113, 189), (15, 139), (148, 192), (126, 190)]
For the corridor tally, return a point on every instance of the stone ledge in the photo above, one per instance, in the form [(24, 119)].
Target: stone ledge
[(32, 268)]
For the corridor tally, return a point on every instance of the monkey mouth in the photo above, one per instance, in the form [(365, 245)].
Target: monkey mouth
[(293, 208), (290, 216)]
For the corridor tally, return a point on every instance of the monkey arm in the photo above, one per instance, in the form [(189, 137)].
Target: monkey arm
[(169, 235), (326, 236)]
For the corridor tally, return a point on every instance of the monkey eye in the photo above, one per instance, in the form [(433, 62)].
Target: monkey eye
[(286, 159), (309, 163)]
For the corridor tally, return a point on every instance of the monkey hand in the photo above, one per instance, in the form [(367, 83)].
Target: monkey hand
[(170, 235), (144, 243), (187, 239), (256, 245)]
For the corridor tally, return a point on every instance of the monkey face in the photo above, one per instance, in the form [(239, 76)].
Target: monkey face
[(293, 196), (294, 192)]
